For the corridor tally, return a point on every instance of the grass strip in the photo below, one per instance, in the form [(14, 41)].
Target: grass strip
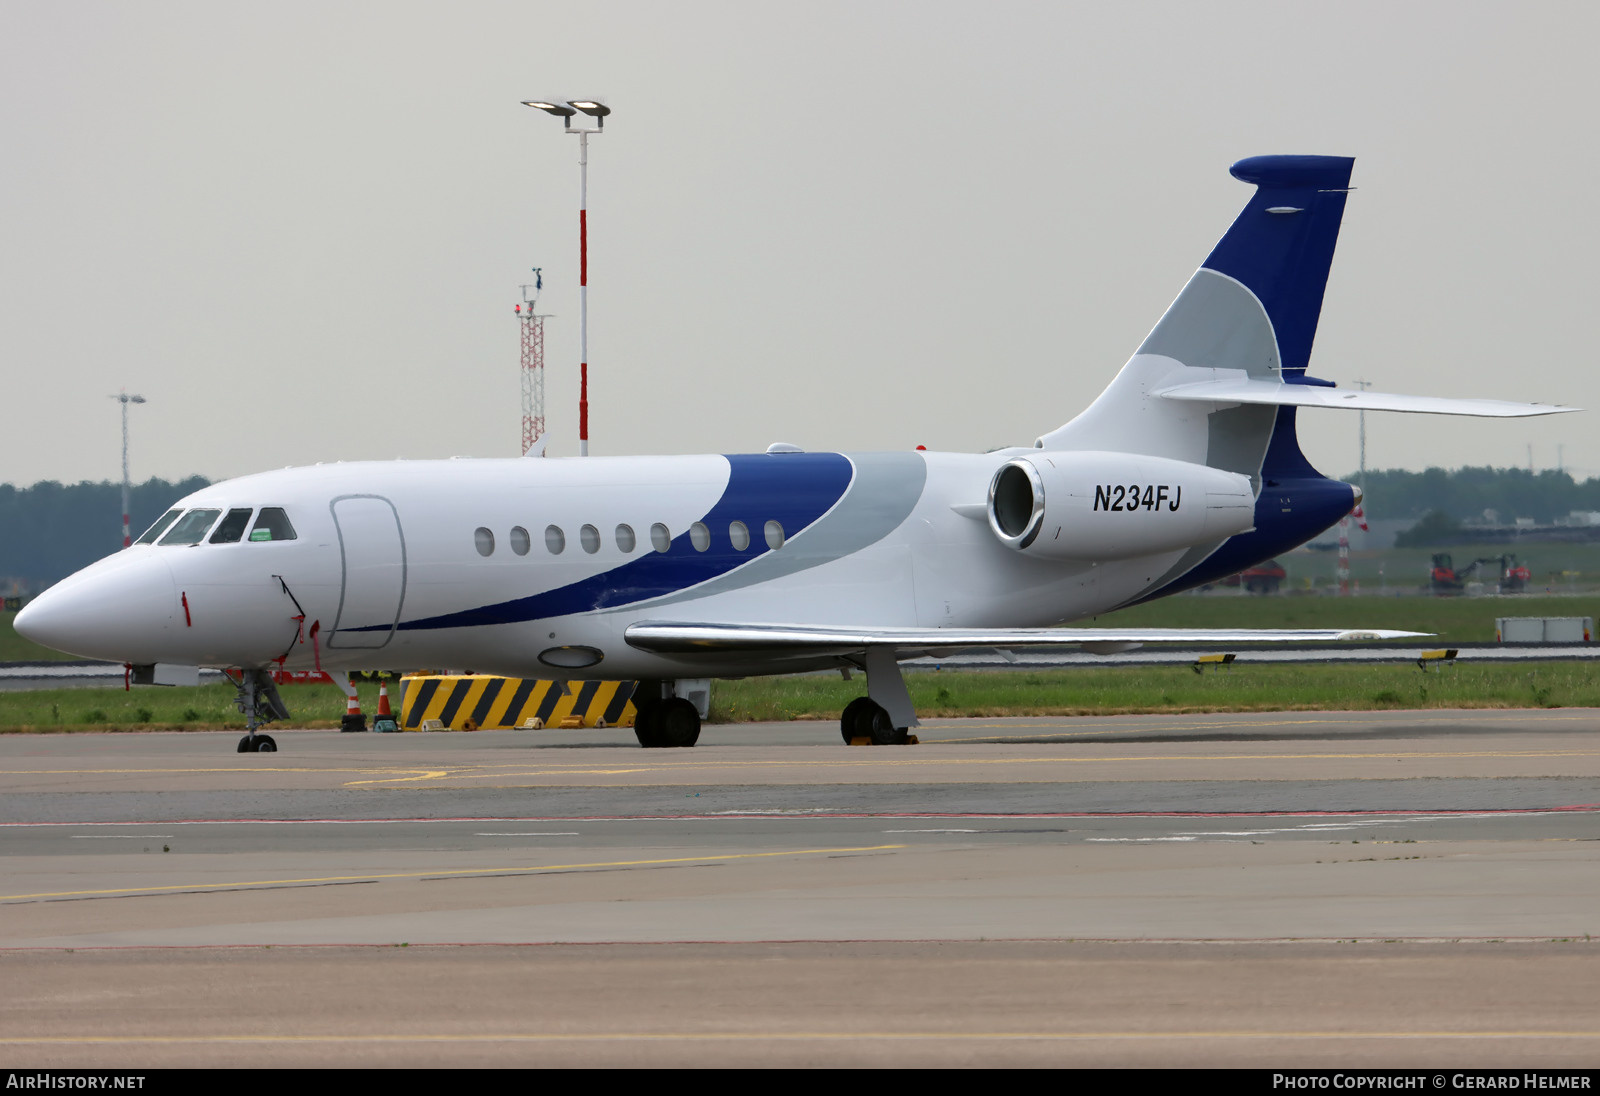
[(1137, 690), (1113, 690)]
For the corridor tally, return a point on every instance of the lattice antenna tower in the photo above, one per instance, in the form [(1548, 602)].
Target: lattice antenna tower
[(125, 399), (532, 362)]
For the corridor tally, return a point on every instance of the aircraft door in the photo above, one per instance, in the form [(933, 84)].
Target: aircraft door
[(372, 554)]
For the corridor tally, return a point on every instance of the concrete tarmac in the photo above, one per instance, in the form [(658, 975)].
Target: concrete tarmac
[(1277, 889)]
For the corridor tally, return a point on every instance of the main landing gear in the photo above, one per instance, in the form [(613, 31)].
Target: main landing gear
[(885, 716), (668, 712), (864, 719), (258, 699), (665, 719)]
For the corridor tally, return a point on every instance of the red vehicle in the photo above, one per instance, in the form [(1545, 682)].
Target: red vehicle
[(1263, 578)]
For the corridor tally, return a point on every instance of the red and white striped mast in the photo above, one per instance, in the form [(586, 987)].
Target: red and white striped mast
[(125, 399), (565, 110)]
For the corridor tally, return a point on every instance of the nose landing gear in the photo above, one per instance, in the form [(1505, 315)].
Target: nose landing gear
[(258, 699)]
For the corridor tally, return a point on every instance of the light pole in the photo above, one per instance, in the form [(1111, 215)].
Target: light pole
[(1363, 385), (565, 109), (125, 399)]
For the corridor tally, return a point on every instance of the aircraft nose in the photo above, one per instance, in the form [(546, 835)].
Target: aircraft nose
[(117, 609)]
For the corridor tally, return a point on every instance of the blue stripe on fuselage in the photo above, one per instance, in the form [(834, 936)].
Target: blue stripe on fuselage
[(794, 489)]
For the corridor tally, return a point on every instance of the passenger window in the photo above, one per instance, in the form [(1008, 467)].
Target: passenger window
[(774, 533), (231, 529), (739, 535), (625, 538), (149, 536), (554, 539), (484, 540), (520, 540), (271, 524), (660, 539), (191, 528), (699, 536), (589, 537)]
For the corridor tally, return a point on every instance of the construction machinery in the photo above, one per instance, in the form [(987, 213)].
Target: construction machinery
[(1445, 581)]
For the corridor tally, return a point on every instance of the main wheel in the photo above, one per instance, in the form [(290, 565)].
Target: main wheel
[(247, 745), (646, 726), (865, 718), (678, 723), (847, 720), (880, 728), (264, 744)]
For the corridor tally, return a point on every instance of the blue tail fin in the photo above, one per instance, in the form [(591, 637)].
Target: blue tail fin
[(1281, 246), (1250, 312), (1251, 308)]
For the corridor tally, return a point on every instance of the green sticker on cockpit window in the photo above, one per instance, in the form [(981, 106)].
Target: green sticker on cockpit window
[(261, 534)]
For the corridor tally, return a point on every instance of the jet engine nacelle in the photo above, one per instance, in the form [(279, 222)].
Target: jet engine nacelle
[(1100, 506)]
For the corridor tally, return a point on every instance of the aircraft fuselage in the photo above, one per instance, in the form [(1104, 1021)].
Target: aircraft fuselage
[(536, 566)]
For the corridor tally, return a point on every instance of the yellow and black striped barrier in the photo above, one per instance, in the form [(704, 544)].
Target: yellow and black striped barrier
[(1437, 658), (475, 702)]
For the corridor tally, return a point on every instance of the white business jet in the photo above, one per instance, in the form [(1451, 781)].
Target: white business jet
[(675, 570)]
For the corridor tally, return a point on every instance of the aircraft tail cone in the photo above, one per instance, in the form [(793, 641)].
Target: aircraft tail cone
[(353, 719)]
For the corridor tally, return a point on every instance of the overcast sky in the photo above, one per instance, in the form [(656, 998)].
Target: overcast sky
[(298, 229)]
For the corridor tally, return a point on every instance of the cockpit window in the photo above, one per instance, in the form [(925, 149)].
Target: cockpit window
[(191, 528), (231, 528), (272, 524), (159, 527)]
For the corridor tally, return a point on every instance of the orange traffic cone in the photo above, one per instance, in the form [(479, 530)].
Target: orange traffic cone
[(353, 719), (384, 721)]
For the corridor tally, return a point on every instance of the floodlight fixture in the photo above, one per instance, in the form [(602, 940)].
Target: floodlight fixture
[(550, 106)]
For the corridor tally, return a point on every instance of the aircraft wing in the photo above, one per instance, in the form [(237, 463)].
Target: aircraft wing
[(1242, 390), (792, 640)]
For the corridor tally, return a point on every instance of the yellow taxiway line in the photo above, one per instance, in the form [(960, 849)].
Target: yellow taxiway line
[(245, 884)]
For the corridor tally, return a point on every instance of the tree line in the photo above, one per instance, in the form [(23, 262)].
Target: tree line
[(52, 529), (1463, 494)]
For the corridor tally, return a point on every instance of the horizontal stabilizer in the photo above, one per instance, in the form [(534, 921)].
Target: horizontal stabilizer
[(796, 640), (1246, 390)]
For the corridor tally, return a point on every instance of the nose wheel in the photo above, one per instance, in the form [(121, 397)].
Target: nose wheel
[(260, 703)]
